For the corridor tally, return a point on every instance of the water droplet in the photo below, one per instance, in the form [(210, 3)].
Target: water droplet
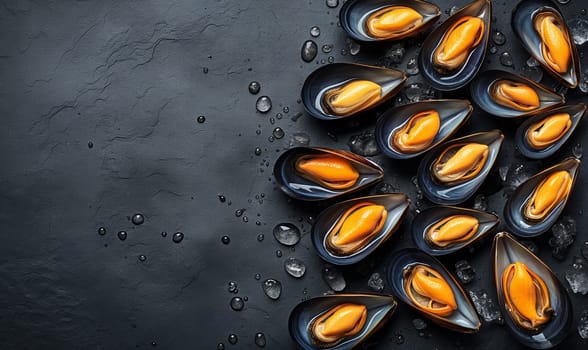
[(142, 258), (287, 234), (452, 10), (272, 288), (315, 31), (233, 287), (225, 240), (327, 48), (205, 70), (506, 59), (498, 38), (395, 54), (412, 67), (102, 231), (154, 343), (286, 109), (201, 119), (376, 282), (331, 59), (233, 339), (90, 144), (257, 276), (263, 104), (138, 219), (122, 235), (563, 2), (257, 151), (254, 87), (398, 338), (279, 253), (260, 237), (177, 237), (332, 3), (533, 73), (577, 150), (237, 303), (334, 278), (294, 267), (419, 324), (299, 139), (353, 46), (222, 198), (260, 339), (239, 212), (480, 202), (220, 346), (532, 62), (493, 50), (363, 144), (308, 51), (278, 133)]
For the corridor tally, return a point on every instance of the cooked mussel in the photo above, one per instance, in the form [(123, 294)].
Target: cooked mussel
[(542, 135), (452, 172), (376, 20), (537, 203), (454, 52), (443, 229), (410, 130), (537, 308), (508, 95), (340, 321), (321, 173), (542, 31), (344, 89), (349, 231), (423, 283)]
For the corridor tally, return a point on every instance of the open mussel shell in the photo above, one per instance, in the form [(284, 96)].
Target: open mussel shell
[(482, 91), (356, 14), (337, 75), (431, 218), (379, 309), (505, 251), (514, 209), (301, 187), (457, 192), (463, 319), (452, 115), (465, 72), (396, 206), (523, 25), (575, 113)]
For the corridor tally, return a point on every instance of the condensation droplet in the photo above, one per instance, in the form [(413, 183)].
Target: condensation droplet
[(233, 339), (225, 240), (201, 119), (272, 288), (295, 267), (138, 219), (506, 59), (254, 87), (309, 51), (177, 237), (102, 231), (237, 303), (287, 234), (122, 235), (260, 339), (263, 104)]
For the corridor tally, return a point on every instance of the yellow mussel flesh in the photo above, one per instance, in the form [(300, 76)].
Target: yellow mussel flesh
[(352, 97), (550, 192), (515, 95), (393, 21), (429, 291), (330, 171), (452, 230), (418, 133), (555, 43), (460, 162), (341, 321), (461, 38), (549, 130)]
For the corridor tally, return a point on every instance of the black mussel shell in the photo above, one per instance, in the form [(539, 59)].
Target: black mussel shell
[(505, 251), (395, 203), (380, 308), (463, 75), (355, 13), (301, 188), (514, 208), (337, 74), (431, 216), (481, 94), (451, 194), (452, 114), (523, 26), (464, 319), (576, 113)]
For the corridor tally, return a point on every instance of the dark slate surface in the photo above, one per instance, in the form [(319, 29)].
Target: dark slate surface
[(131, 77)]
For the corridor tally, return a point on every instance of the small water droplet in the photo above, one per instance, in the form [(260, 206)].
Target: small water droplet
[(233, 339), (278, 133), (315, 31), (327, 48), (237, 303), (260, 339), (233, 287), (138, 219), (419, 324), (201, 119), (353, 46), (257, 151), (286, 109), (222, 198), (498, 38), (563, 2), (493, 50), (272, 288), (309, 51), (220, 346), (279, 253), (177, 237), (412, 67), (257, 276), (334, 278), (154, 343), (577, 151), (142, 258), (263, 104), (332, 3), (260, 237), (287, 234), (254, 87), (399, 338), (90, 144), (102, 231), (225, 240), (331, 59), (239, 212), (294, 267), (122, 235), (506, 59)]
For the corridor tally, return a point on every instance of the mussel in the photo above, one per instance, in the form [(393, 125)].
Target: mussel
[(410, 130), (321, 173), (454, 52), (537, 203), (376, 20), (508, 95), (543, 33), (423, 283), (339, 321), (349, 231), (536, 306), (341, 90), (452, 172), (443, 230), (542, 135)]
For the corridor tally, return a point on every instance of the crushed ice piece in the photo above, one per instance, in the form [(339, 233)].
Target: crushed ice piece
[(484, 305)]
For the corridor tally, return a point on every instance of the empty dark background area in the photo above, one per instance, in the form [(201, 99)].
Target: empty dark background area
[(99, 102)]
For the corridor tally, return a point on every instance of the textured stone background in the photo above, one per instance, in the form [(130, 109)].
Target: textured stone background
[(131, 77)]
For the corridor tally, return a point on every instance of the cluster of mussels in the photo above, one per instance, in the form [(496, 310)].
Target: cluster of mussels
[(537, 307)]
